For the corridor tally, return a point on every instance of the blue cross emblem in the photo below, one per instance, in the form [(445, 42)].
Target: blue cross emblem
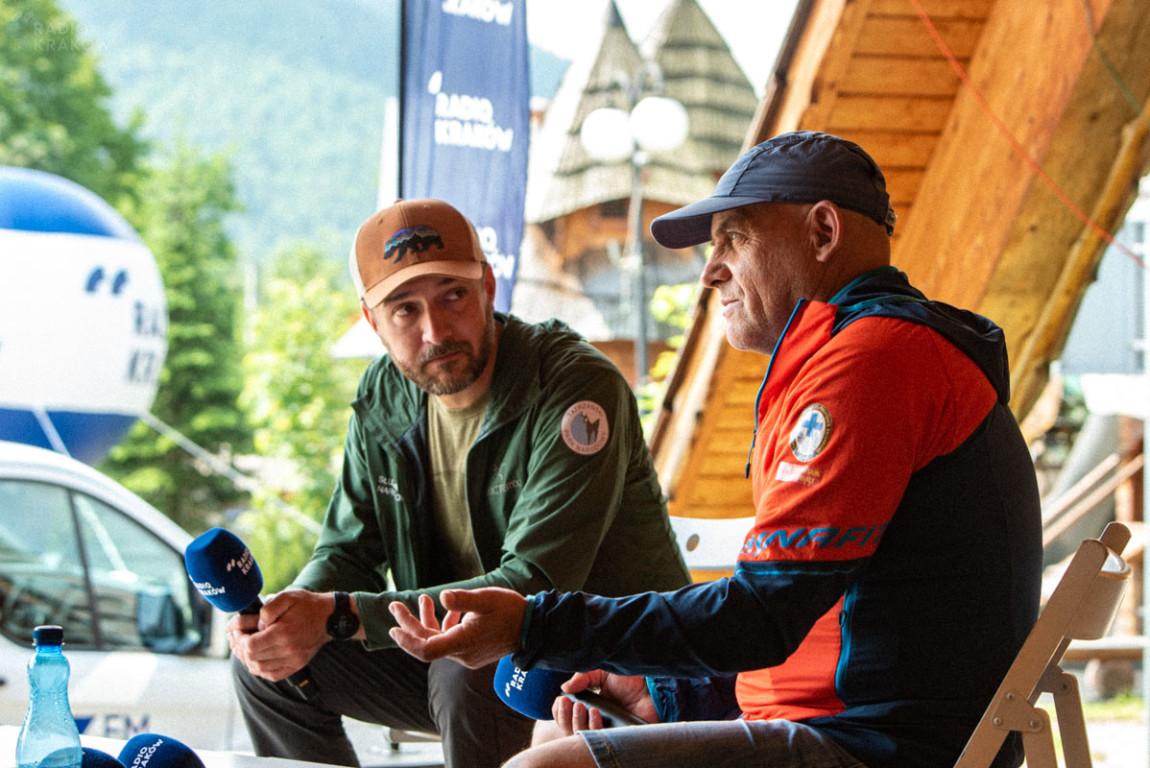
[(811, 433), (814, 423)]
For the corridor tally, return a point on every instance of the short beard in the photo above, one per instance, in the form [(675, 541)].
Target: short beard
[(446, 382)]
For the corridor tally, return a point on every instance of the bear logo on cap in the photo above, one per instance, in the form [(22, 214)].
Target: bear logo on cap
[(415, 239)]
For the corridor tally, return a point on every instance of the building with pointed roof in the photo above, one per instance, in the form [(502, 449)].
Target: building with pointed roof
[(578, 207)]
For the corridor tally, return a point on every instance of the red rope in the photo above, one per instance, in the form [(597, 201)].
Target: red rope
[(1015, 145)]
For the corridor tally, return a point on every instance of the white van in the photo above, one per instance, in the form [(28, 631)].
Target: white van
[(148, 653)]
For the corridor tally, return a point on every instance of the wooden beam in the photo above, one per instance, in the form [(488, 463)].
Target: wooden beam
[(895, 150), (679, 424), (907, 37), (1047, 264), (1044, 342), (900, 76), (861, 113), (938, 9), (1024, 67), (822, 98)]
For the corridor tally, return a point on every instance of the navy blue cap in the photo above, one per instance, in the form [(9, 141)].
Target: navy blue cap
[(799, 167)]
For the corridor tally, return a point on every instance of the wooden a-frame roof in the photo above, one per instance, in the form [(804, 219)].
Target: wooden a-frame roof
[(998, 181)]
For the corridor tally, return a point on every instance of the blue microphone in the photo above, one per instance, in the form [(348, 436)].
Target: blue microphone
[(151, 750), (94, 758), (531, 692), (225, 572)]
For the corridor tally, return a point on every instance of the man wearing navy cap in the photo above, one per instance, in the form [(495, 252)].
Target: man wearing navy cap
[(893, 568)]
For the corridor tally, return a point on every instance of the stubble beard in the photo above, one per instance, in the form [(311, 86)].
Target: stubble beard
[(457, 377)]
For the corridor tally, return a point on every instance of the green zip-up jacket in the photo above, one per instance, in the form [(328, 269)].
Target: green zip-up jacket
[(562, 491)]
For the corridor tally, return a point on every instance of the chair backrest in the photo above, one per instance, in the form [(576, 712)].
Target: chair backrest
[(710, 546), (1082, 607)]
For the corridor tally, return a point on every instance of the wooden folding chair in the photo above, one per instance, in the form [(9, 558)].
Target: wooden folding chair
[(1082, 607)]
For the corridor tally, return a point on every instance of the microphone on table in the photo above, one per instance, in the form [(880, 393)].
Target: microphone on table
[(151, 750), (94, 758), (531, 692), (224, 571)]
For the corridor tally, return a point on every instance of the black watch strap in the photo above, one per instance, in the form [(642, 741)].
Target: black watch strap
[(343, 623)]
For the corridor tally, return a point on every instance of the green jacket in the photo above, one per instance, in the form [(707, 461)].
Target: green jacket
[(562, 490)]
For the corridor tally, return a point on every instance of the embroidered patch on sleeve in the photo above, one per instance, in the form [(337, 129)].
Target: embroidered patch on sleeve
[(585, 427), (797, 473), (811, 433)]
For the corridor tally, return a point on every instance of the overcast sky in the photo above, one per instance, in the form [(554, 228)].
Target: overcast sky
[(753, 29)]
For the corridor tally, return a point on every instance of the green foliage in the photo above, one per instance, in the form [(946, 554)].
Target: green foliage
[(298, 398), (181, 218), (294, 90), (1124, 706), (55, 117), (671, 305), (54, 113)]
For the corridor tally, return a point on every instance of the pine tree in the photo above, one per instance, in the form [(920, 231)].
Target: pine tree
[(181, 218), (54, 112), (299, 399)]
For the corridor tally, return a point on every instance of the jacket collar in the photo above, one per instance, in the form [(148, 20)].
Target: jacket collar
[(883, 292), (388, 403)]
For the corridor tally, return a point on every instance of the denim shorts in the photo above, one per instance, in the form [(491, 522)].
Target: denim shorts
[(717, 744)]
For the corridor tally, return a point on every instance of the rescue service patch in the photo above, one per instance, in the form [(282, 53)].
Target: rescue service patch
[(797, 473), (585, 427), (811, 433)]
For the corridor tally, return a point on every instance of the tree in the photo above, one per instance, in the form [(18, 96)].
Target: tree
[(54, 114), (180, 216), (671, 306), (298, 397)]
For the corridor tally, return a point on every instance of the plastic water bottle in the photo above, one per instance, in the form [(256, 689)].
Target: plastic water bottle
[(48, 738)]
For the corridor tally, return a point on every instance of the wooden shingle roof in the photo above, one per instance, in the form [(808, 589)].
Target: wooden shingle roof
[(695, 67)]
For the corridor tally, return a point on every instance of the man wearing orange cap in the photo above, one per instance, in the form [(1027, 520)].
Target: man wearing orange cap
[(482, 451)]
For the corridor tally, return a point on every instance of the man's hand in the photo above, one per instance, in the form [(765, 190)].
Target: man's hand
[(629, 692), (481, 626), (290, 629)]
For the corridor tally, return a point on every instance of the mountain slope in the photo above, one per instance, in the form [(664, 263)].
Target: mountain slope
[(293, 90)]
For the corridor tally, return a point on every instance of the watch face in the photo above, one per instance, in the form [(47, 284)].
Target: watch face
[(342, 626), (342, 623)]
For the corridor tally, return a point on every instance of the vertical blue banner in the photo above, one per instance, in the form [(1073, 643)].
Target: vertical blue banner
[(464, 122)]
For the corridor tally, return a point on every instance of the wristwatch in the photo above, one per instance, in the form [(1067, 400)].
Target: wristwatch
[(343, 623)]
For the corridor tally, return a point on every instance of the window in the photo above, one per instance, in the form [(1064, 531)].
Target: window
[(113, 585)]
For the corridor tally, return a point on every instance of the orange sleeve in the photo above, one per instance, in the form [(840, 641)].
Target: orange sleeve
[(878, 402)]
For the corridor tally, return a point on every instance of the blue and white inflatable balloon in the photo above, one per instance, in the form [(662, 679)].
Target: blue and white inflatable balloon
[(83, 321)]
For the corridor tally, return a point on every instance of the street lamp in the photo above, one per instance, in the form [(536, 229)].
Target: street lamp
[(653, 124)]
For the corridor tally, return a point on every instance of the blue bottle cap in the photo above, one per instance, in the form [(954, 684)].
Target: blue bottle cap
[(48, 634)]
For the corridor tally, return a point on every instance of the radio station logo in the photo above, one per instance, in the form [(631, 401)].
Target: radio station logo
[(466, 120)]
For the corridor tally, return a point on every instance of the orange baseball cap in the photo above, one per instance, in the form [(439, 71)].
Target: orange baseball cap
[(410, 239)]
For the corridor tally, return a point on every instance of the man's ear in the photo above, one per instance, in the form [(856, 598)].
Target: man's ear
[(489, 282), (825, 221), (369, 316)]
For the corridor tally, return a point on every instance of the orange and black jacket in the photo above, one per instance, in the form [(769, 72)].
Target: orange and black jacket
[(894, 566)]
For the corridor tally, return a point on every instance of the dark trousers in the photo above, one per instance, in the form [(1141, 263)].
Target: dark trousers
[(387, 687)]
